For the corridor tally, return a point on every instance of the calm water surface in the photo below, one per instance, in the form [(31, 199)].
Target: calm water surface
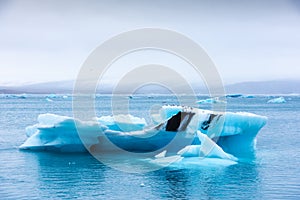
[(273, 174)]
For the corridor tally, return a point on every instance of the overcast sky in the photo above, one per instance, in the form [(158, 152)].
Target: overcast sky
[(248, 40)]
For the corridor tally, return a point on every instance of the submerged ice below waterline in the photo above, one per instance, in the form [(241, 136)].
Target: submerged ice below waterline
[(179, 133)]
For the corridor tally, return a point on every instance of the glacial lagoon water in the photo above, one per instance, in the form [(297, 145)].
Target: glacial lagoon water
[(273, 174)]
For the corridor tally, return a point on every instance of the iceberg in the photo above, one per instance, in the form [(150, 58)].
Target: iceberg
[(248, 96), (184, 134), (51, 96), (21, 96), (233, 95), (16, 96), (277, 100), (210, 101), (49, 100)]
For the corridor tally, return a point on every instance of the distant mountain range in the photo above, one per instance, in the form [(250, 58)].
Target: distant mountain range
[(40, 88), (260, 87), (265, 87)]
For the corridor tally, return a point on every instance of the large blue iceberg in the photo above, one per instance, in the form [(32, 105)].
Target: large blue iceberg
[(178, 133)]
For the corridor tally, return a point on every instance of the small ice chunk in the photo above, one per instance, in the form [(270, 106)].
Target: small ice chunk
[(49, 100), (51, 96), (18, 96), (233, 95), (210, 101), (277, 100)]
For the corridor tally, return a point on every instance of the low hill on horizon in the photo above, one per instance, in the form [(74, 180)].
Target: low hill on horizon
[(259, 87), (265, 87)]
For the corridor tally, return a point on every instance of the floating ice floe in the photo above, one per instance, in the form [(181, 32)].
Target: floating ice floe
[(49, 100), (51, 96), (277, 100), (234, 95), (16, 96), (210, 101), (248, 96), (178, 133)]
